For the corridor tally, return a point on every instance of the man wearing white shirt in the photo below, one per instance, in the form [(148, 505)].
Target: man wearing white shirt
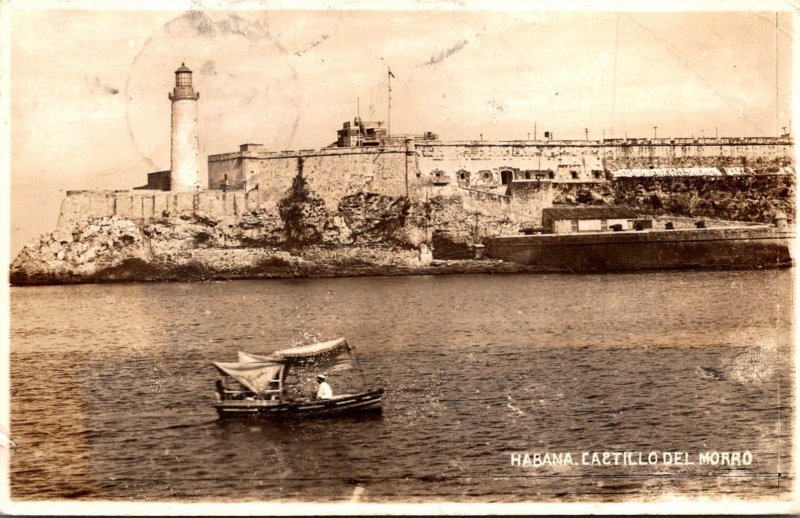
[(324, 391)]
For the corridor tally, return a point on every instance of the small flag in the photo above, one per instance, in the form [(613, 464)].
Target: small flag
[(390, 73)]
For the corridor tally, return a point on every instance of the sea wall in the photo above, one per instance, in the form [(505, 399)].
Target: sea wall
[(731, 247)]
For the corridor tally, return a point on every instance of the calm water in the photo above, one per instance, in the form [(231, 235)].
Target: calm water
[(112, 387)]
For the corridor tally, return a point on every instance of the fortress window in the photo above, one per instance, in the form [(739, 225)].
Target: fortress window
[(551, 174), (439, 177), (574, 174), (574, 225), (506, 177)]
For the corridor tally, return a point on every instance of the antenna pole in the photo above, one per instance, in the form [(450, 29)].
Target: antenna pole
[(534, 130), (777, 85), (358, 107)]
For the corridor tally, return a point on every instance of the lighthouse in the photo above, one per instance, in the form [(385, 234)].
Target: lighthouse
[(185, 158)]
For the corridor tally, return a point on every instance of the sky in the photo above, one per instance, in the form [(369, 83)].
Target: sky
[(89, 106)]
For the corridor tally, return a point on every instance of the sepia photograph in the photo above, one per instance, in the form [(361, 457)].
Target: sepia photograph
[(435, 257)]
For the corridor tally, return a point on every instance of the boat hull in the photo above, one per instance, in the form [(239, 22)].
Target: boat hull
[(732, 248), (354, 403)]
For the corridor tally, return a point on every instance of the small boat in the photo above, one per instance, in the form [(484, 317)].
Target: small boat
[(262, 385)]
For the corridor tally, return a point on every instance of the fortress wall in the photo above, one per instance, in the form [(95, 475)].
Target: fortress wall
[(80, 206), (273, 179), (234, 203), (184, 201), (482, 163), (148, 207), (333, 177), (334, 173), (329, 174), (160, 205), (144, 206), (529, 198), (762, 157), (230, 166), (492, 209), (210, 202), (479, 164), (129, 206)]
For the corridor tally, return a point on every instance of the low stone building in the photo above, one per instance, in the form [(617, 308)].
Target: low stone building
[(570, 220)]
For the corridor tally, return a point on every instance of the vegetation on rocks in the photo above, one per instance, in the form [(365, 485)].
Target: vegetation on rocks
[(739, 198)]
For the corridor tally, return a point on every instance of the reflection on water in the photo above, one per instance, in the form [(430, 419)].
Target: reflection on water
[(112, 387)]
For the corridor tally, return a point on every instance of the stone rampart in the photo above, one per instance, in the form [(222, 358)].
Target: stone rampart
[(330, 173), (535, 172), (477, 164), (145, 206)]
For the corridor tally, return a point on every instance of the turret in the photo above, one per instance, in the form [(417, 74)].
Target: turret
[(185, 157)]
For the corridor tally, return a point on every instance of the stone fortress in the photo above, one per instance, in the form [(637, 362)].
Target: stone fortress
[(373, 202), (515, 178)]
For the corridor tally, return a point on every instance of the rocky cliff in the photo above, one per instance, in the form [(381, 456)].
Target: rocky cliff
[(367, 233)]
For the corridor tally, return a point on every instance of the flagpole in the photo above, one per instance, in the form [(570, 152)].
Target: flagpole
[(389, 110)]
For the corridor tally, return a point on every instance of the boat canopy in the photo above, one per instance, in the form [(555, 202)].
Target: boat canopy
[(313, 351), (256, 376), (247, 357), (323, 353)]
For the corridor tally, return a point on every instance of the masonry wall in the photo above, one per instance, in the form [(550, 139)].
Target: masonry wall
[(226, 170), (479, 164), (473, 171), (631, 250), (530, 197), (482, 164), (144, 206), (328, 176), (330, 173)]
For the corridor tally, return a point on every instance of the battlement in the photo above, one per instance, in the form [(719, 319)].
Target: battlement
[(785, 140)]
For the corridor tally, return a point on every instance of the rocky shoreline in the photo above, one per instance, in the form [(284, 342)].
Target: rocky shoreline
[(117, 251), (138, 272), (186, 248)]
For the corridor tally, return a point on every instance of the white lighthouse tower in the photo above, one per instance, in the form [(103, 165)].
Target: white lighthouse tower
[(185, 159)]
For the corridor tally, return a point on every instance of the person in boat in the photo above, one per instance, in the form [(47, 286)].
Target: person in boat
[(324, 390)]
